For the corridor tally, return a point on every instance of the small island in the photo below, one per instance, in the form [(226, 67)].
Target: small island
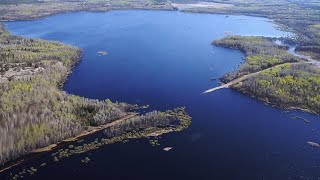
[(102, 53)]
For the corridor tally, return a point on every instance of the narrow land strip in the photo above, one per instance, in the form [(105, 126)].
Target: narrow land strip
[(242, 78)]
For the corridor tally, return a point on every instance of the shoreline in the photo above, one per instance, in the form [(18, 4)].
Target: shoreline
[(54, 146), (235, 81), (246, 93), (40, 17), (273, 105), (184, 119), (59, 86), (91, 130)]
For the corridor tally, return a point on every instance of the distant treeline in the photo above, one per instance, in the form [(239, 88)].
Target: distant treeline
[(18, 1), (32, 9)]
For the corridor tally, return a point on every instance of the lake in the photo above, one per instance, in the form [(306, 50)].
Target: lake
[(165, 59)]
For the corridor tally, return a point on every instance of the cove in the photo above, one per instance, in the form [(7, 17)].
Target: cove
[(165, 59)]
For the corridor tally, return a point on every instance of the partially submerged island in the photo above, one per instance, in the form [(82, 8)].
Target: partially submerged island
[(167, 149), (313, 144), (102, 53)]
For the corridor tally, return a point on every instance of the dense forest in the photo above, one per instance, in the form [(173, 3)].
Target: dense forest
[(151, 124), (290, 85), (34, 112), (281, 80), (155, 121), (261, 53), (148, 120)]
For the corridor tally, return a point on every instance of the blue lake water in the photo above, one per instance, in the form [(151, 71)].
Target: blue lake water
[(165, 59)]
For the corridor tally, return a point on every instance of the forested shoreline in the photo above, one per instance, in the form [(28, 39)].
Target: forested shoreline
[(290, 85), (285, 83), (34, 9), (261, 53), (34, 112)]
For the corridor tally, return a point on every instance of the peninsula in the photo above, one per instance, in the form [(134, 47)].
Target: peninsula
[(270, 73), (36, 114)]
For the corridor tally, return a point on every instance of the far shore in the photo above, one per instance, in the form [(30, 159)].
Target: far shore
[(183, 6)]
